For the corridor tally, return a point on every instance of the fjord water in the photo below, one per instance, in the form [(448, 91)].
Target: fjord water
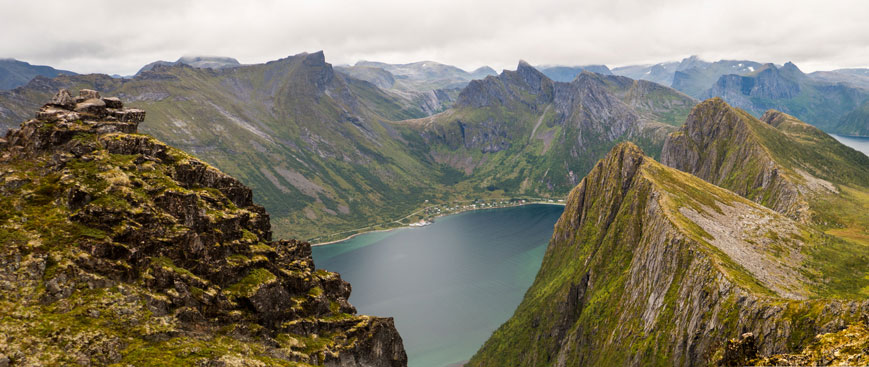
[(450, 284), (859, 143)]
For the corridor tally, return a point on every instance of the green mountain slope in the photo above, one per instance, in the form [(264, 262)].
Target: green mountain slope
[(777, 161), (117, 249), (649, 265), (521, 133), (855, 123)]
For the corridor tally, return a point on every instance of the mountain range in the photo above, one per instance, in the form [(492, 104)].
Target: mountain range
[(432, 86), (211, 62), (694, 233), (14, 73), (831, 100), (823, 98), (654, 265), (568, 73), (327, 153)]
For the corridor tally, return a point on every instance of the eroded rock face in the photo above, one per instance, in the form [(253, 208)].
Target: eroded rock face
[(120, 249)]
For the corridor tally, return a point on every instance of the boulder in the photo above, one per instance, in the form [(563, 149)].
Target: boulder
[(93, 106), (128, 115), (88, 94), (113, 102), (63, 99)]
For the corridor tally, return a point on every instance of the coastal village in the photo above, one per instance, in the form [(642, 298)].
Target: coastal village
[(427, 215)]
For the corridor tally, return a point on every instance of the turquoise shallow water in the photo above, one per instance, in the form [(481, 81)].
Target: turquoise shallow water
[(858, 143), (450, 284)]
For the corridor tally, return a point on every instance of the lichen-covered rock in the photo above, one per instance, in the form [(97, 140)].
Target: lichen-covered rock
[(847, 347), (118, 249)]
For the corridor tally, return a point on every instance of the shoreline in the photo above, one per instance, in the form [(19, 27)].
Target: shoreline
[(432, 219)]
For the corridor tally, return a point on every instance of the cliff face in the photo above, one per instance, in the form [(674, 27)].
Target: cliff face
[(120, 249), (652, 266)]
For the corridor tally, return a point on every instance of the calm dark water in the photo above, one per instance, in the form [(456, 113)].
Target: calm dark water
[(858, 143), (450, 284)]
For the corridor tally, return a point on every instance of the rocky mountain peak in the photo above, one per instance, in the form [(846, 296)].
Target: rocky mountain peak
[(68, 117), (140, 254), (315, 59), (790, 67), (623, 159)]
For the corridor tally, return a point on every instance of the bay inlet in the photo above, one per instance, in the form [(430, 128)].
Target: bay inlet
[(449, 284)]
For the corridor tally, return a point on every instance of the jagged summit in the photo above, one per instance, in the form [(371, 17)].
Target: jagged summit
[(790, 67), (778, 161), (118, 249)]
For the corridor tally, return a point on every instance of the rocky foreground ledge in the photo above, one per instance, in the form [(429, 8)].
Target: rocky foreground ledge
[(118, 249)]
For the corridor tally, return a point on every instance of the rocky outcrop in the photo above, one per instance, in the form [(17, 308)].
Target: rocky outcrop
[(119, 249), (652, 266)]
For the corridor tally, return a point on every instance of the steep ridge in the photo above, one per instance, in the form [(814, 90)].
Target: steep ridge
[(649, 265), (313, 144), (118, 249), (522, 133), (777, 161)]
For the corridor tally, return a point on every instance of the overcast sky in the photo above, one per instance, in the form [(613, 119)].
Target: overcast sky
[(121, 36)]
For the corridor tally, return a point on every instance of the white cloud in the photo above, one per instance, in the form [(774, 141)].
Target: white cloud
[(119, 37)]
